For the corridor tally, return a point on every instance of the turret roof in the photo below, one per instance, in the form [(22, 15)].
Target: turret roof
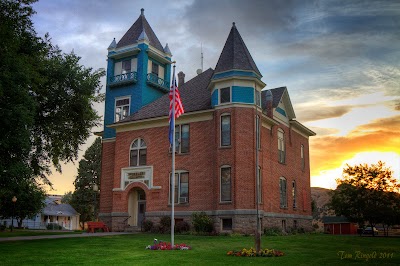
[(132, 35), (235, 54)]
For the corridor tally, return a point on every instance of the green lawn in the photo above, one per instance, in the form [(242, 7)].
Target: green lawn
[(130, 250), (22, 232)]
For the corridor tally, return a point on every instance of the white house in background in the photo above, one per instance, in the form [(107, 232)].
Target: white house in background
[(54, 212)]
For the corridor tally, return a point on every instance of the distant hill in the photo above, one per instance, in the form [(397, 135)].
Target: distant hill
[(321, 197)]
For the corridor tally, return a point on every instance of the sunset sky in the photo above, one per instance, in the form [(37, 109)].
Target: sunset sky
[(340, 61)]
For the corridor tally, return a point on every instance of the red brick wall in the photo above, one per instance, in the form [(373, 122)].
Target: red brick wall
[(203, 164)]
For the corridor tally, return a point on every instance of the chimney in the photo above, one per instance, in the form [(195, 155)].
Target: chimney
[(267, 100), (181, 78)]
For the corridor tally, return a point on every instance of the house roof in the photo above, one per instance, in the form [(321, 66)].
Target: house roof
[(140, 27), (194, 93), (277, 94), (235, 54), (54, 209)]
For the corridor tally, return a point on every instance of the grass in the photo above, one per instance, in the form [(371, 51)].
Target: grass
[(23, 232), (307, 249)]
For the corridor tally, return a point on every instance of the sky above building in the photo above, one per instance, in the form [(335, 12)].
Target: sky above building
[(340, 61)]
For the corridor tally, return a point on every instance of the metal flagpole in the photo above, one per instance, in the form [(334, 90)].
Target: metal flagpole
[(173, 161)]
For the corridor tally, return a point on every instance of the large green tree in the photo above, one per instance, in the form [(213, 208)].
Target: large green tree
[(46, 102), (366, 193), (85, 199)]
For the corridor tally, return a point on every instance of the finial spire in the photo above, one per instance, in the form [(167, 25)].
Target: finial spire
[(142, 12), (233, 24)]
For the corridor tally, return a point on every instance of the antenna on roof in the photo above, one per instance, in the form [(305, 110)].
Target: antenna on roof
[(200, 70), (201, 56)]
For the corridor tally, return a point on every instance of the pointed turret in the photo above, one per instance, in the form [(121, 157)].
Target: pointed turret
[(134, 33), (113, 45), (235, 55), (167, 50)]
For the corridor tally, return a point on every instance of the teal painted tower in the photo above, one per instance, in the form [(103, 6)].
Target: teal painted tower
[(138, 72), (236, 77)]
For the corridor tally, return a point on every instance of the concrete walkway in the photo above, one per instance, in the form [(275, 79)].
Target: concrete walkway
[(18, 238)]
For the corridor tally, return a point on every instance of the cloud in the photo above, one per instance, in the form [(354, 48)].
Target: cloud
[(328, 152), (319, 112)]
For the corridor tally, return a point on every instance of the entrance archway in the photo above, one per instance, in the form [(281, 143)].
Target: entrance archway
[(136, 207)]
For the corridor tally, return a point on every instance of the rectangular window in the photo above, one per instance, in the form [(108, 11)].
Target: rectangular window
[(226, 130), (181, 188), (126, 66), (154, 68), (281, 146), (258, 132), (303, 163), (282, 190), (182, 136), (226, 192), (258, 98), (121, 108), (294, 194), (259, 180), (225, 95), (227, 224)]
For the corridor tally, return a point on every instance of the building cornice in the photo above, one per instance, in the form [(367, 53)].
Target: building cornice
[(162, 121)]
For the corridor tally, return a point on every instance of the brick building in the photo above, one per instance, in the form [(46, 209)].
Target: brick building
[(232, 134)]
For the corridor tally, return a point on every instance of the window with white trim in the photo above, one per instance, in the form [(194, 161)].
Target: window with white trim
[(259, 178), (138, 153), (182, 136), (281, 146), (225, 130), (122, 106), (154, 68), (303, 162), (181, 188), (258, 132), (282, 191), (258, 98), (226, 184), (225, 95), (294, 192)]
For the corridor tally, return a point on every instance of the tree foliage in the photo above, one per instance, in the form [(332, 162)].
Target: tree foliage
[(46, 100), (84, 199), (367, 193)]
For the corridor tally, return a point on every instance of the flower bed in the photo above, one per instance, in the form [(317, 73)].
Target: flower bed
[(253, 253), (161, 245)]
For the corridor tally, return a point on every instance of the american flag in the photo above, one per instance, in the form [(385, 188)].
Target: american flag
[(177, 106)]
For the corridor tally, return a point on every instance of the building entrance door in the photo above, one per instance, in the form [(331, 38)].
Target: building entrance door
[(141, 212)]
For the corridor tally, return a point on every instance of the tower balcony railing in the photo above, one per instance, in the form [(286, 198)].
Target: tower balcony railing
[(154, 80), (126, 78)]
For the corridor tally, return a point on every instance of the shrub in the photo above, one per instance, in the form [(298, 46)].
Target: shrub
[(2, 228), (147, 225), (202, 222), (182, 226), (165, 224), (53, 226), (273, 231)]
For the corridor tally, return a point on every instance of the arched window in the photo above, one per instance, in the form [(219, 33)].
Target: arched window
[(283, 194), (138, 152), (303, 162)]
